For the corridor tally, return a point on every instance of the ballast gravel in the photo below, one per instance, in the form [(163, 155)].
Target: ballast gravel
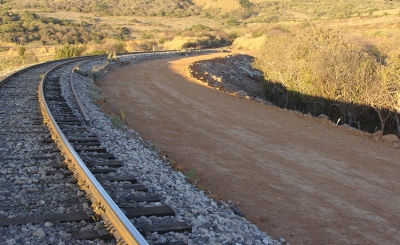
[(213, 222), (26, 188)]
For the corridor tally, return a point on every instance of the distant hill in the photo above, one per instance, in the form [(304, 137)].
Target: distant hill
[(167, 8), (254, 10)]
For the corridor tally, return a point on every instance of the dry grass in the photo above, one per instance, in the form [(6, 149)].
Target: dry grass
[(177, 43), (224, 5), (378, 25), (136, 24), (249, 43)]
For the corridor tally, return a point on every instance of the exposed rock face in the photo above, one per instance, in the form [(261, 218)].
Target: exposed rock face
[(233, 74)]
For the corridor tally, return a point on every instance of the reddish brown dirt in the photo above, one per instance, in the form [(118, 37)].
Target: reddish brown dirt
[(294, 177)]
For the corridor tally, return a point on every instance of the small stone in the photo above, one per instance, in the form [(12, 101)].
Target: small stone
[(60, 210), (258, 100), (23, 192), (42, 202), (24, 229), (162, 240), (266, 241), (48, 224), (80, 193), (11, 242), (39, 233), (241, 93)]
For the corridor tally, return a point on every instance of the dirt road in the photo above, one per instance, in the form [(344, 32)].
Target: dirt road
[(296, 178)]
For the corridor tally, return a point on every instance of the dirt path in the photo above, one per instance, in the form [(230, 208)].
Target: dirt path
[(296, 178)]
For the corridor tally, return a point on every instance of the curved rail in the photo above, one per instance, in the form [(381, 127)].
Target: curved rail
[(114, 219), (77, 100), (12, 75)]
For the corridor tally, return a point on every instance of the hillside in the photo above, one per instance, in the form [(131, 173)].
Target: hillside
[(254, 10), (167, 8), (31, 31)]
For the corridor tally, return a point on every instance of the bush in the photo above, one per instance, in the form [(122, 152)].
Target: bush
[(118, 47), (232, 22), (21, 52), (245, 3), (320, 67), (69, 51), (199, 28)]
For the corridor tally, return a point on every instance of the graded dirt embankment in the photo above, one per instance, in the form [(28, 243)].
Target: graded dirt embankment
[(296, 178)]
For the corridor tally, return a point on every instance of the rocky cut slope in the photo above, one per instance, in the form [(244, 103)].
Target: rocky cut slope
[(231, 74)]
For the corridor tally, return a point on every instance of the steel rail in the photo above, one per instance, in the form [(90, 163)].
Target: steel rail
[(114, 219), (77, 100), (12, 75), (6, 79)]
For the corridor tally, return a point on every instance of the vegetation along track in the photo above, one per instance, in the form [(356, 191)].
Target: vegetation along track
[(41, 201)]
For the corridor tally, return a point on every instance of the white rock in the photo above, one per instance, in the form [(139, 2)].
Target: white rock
[(60, 210), (39, 233), (48, 224)]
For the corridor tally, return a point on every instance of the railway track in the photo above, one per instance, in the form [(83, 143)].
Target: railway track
[(36, 187), (67, 176)]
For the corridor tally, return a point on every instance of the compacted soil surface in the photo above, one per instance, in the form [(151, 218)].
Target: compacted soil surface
[(294, 176)]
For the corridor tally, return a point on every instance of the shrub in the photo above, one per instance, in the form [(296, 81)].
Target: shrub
[(320, 66), (21, 52), (118, 47), (146, 35), (199, 28), (232, 22), (69, 51), (245, 3)]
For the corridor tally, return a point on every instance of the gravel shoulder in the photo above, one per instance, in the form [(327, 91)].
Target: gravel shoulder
[(293, 176)]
